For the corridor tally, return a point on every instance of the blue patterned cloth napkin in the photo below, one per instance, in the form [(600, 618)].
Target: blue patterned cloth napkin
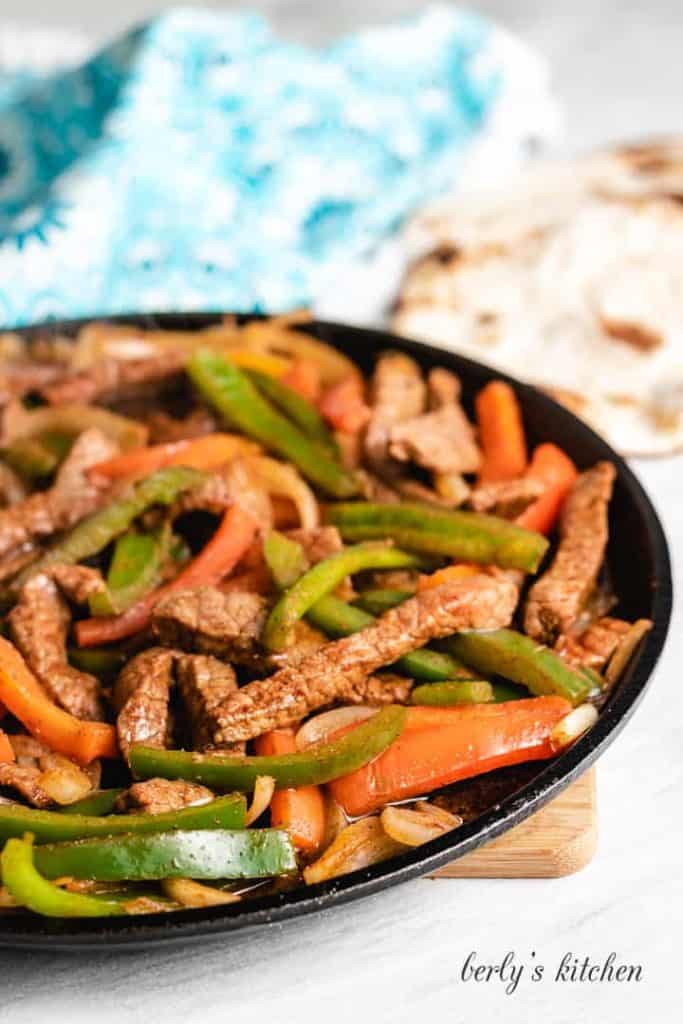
[(201, 162)]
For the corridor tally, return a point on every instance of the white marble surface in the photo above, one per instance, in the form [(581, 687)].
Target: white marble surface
[(398, 956)]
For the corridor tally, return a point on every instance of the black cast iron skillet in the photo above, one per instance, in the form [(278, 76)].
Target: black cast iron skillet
[(640, 569)]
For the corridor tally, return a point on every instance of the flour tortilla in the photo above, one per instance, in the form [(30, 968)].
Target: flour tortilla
[(572, 278)]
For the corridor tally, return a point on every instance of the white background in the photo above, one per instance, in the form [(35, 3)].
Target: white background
[(618, 72)]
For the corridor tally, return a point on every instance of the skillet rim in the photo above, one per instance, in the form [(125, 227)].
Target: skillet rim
[(28, 932)]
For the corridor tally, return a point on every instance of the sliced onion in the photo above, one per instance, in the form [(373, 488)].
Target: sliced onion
[(335, 821), (361, 844), (625, 650), (573, 725), (319, 728), (284, 482), (193, 894), (280, 339), (264, 787), (71, 418), (62, 780), (413, 826)]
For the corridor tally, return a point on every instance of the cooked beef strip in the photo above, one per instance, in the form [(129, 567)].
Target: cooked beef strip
[(556, 599), (157, 796), (72, 496), (204, 683), (208, 621), (26, 781), (141, 693), (77, 582), (17, 559), (506, 498), (39, 624), (318, 542), (112, 380), (374, 489), (12, 490), (385, 688), (595, 646), (164, 429), (397, 393), (441, 440), (479, 602)]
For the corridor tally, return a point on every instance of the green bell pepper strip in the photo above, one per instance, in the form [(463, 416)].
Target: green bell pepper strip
[(300, 412), (203, 855), (30, 458), (338, 619), (320, 763), (93, 534), (233, 395), (285, 558), (381, 600), (29, 889), (503, 692), (103, 662), (323, 578), (517, 657), (469, 536), (443, 695), (136, 568), (102, 801), (57, 826)]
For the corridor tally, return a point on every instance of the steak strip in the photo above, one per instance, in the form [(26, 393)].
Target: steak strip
[(479, 602), (204, 683), (208, 621), (142, 693), (39, 624), (556, 599), (72, 496), (158, 796), (115, 379)]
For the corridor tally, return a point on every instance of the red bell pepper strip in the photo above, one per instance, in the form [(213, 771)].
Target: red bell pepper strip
[(557, 472), (439, 746), (216, 560), (301, 810), (23, 695), (203, 453), (501, 433), (6, 752)]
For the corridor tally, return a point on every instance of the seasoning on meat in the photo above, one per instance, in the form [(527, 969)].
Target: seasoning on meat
[(25, 779), (39, 623), (441, 440), (110, 380), (557, 598), (141, 694), (385, 688), (595, 646), (72, 496), (506, 498), (208, 621), (12, 490), (397, 393), (164, 429), (204, 683), (318, 542), (157, 796), (77, 582), (479, 602)]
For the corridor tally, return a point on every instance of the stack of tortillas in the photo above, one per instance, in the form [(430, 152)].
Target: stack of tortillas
[(570, 277)]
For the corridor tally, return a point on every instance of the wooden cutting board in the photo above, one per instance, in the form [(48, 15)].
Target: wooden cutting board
[(558, 840)]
